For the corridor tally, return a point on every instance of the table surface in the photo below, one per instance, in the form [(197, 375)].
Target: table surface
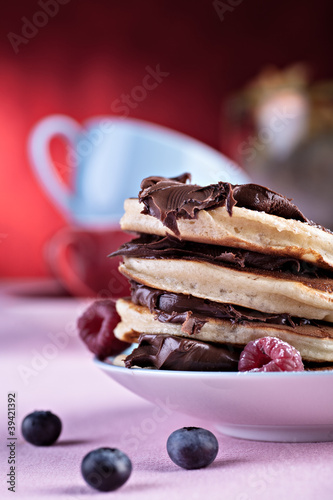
[(48, 368)]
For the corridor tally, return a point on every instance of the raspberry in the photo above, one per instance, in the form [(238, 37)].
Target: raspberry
[(270, 354), (96, 327)]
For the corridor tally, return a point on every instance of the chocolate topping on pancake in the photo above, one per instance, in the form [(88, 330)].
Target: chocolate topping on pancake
[(193, 312), (168, 247), (171, 199), (255, 197), (177, 353)]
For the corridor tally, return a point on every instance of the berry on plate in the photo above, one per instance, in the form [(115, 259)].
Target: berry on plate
[(96, 327), (270, 354)]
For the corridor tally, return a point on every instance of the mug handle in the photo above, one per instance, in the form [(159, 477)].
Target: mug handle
[(40, 157), (56, 252)]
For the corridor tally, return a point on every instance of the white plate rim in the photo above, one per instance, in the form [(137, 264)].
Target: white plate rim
[(108, 366)]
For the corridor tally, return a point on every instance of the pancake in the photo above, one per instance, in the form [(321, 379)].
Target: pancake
[(248, 229), (263, 292), (315, 343), (191, 311), (168, 247), (224, 265)]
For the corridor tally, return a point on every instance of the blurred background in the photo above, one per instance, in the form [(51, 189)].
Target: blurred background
[(249, 78)]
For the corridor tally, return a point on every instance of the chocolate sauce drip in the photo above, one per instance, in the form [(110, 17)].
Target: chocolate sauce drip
[(175, 308), (168, 352), (169, 247), (172, 199)]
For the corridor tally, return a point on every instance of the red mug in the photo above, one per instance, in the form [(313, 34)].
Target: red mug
[(78, 258)]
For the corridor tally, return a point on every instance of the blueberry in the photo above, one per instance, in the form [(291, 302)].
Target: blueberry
[(192, 447), (41, 428), (106, 469)]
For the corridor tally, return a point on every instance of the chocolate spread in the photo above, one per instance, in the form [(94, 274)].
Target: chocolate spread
[(193, 312), (171, 199), (168, 352), (168, 247)]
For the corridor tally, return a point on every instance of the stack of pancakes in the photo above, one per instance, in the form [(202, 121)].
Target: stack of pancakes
[(218, 266)]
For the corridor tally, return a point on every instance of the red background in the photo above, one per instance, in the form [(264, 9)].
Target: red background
[(93, 51)]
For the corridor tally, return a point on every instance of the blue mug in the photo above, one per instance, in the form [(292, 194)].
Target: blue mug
[(109, 156)]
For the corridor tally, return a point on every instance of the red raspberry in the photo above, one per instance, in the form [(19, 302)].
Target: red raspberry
[(96, 327), (270, 354)]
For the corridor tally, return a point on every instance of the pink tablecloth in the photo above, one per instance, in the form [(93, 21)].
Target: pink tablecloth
[(95, 412)]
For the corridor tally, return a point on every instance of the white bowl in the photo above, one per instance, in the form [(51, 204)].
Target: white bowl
[(288, 406)]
